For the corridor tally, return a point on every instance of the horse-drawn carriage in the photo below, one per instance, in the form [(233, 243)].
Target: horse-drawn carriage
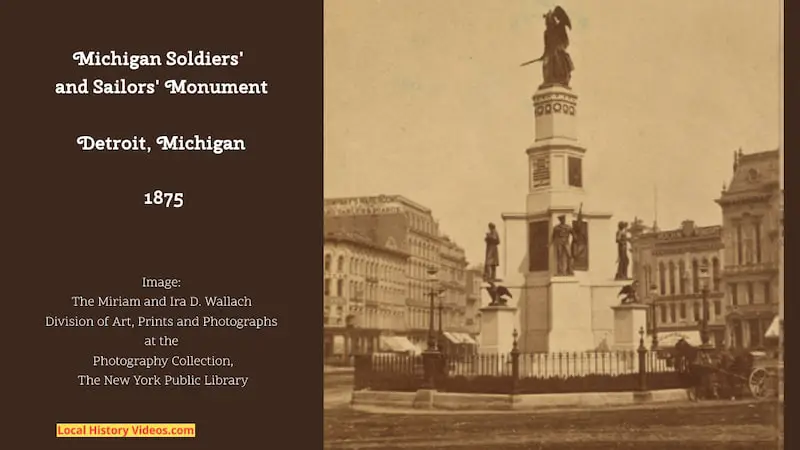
[(763, 380), (715, 373)]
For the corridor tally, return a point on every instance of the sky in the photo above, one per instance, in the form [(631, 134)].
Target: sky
[(427, 99)]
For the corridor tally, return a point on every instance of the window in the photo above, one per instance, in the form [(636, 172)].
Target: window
[(663, 313), (662, 278), (671, 278), (340, 264), (683, 311), (682, 276), (672, 312), (750, 294), (327, 286), (715, 273), (767, 293), (696, 311), (695, 276), (755, 332), (327, 263), (734, 294), (339, 288), (739, 252), (757, 230)]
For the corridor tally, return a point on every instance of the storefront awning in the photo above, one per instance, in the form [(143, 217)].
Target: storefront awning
[(390, 343), (452, 338), (465, 338), (400, 344), (774, 328), (406, 344), (669, 339)]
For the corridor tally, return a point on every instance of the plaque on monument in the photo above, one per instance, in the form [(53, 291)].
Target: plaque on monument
[(540, 172), (539, 250), (575, 171)]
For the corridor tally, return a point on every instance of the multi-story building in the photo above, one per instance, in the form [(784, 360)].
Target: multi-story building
[(667, 265), (396, 222), (751, 219), (473, 314), (453, 280), (365, 288)]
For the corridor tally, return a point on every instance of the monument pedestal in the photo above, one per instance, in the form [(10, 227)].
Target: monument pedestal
[(571, 313), (628, 321), (570, 316), (497, 329), (558, 316)]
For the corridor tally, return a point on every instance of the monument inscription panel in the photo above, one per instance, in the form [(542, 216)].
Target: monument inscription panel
[(575, 169), (540, 172)]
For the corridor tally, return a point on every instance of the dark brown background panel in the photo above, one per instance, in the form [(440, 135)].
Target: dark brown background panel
[(251, 222), (539, 232)]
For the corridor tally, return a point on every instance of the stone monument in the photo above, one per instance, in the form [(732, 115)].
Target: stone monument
[(630, 316), (498, 320), (558, 255)]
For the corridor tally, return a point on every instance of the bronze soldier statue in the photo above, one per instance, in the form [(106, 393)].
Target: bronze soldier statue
[(491, 260), (622, 251), (580, 242), (561, 241)]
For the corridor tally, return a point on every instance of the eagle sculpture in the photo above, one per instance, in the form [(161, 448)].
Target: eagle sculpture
[(498, 294), (629, 291)]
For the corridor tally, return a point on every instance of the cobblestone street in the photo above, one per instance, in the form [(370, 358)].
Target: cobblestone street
[(703, 425)]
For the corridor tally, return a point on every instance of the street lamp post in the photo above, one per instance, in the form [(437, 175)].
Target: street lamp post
[(432, 294), (431, 356), (704, 278), (654, 326), (441, 330)]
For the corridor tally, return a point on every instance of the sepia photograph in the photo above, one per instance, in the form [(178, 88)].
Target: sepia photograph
[(553, 224)]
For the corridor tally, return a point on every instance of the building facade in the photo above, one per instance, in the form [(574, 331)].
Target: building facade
[(453, 280), (751, 216), (473, 311), (364, 292), (397, 227), (667, 264)]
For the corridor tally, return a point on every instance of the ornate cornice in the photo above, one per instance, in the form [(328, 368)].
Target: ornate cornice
[(355, 240)]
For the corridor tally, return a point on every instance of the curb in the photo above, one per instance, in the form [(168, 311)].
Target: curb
[(445, 401), (373, 409)]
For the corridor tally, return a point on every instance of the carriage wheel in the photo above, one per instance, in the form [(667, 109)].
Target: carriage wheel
[(758, 382)]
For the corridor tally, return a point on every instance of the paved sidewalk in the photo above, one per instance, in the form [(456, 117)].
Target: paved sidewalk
[(702, 425)]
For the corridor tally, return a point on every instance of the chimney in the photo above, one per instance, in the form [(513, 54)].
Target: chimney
[(688, 227)]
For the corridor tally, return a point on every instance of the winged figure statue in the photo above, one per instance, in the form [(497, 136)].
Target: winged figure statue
[(557, 65)]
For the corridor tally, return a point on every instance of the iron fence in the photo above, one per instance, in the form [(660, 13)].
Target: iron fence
[(519, 372)]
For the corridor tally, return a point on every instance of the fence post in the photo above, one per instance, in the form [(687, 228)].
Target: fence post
[(514, 363), (362, 371), (642, 362)]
